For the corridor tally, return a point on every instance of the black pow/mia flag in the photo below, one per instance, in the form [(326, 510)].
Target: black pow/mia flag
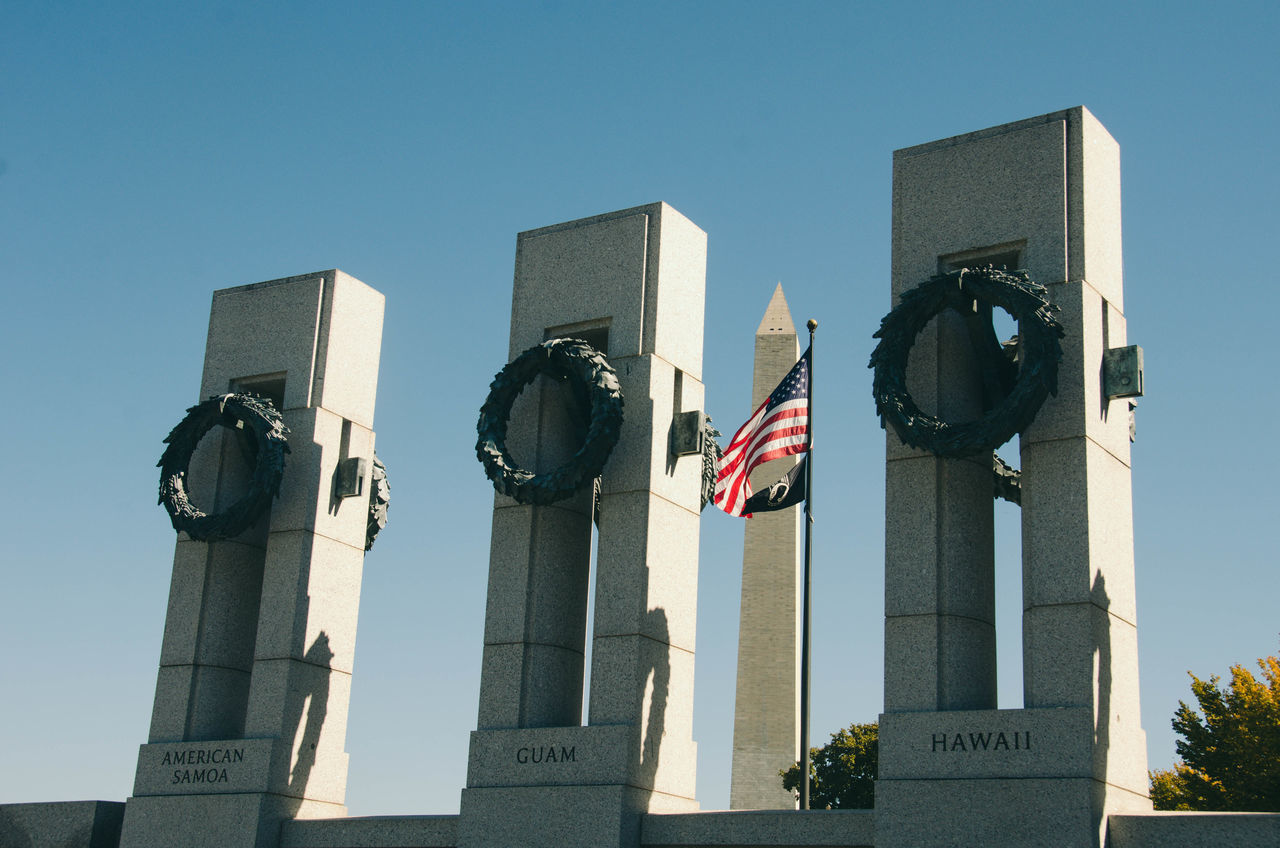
[(788, 491)]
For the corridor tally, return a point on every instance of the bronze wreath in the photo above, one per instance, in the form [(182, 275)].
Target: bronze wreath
[(1038, 351), (596, 387), (379, 501), (268, 444)]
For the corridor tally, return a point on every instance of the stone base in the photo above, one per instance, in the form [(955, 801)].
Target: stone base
[(997, 813), (760, 829), (597, 755), (371, 832), (1056, 742), (215, 821), (1194, 830), (559, 816), (61, 824)]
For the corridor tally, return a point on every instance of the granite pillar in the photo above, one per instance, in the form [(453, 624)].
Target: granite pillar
[(1042, 195), (630, 283), (249, 723)]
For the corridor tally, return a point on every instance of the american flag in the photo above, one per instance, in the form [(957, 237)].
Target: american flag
[(780, 427)]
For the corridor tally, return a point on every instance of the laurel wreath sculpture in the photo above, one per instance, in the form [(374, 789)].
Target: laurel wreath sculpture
[(1038, 351), (712, 453), (595, 384), (379, 501), (268, 444)]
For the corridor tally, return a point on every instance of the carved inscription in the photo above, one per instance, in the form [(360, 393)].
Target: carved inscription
[(546, 754), (1018, 740), (201, 765)]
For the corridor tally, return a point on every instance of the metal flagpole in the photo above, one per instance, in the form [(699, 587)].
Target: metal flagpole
[(804, 625)]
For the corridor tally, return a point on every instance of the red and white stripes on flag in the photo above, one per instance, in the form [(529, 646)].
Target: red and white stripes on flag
[(780, 427)]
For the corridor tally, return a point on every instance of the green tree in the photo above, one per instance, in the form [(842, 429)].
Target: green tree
[(1230, 755), (842, 773)]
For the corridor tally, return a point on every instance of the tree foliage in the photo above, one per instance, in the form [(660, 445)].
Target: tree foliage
[(842, 773), (1230, 750)]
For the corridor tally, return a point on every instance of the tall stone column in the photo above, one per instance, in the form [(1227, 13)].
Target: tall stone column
[(1042, 195), (766, 713), (250, 715), (630, 283)]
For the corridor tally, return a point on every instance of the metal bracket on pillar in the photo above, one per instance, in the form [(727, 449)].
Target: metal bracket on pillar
[(687, 433), (350, 477), (1122, 372)]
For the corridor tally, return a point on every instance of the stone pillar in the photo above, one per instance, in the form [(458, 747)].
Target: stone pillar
[(1043, 195), (631, 283), (766, 713), (250, 715)]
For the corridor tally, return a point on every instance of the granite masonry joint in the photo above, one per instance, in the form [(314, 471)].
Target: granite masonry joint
[(316, 534), (243, 669), (1090, 439), (304, 661), (1081, 281), (979, 135), (659, 495), (249, 546), (560, 506), (1089, 602)]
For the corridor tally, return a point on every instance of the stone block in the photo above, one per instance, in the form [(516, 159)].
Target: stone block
[(551, 686), (303, 707), (1018, 813), (217, 706), (1193, 830), (539, 558), (637, 272), (1077, 527), (229, 606), (559, 816), (1093, 212), (1079, 655), (581, 272), (647, 569), (622, 667), (172, 700), (501, 679), (308, 499), (182, 618), (966, 663), (1081, 407), (1059, 645), (547, 817), (939, 663), (308, 604), (966, 744), (939, 538), (740, 828), (298, 326), (550, 756), (674, 306), (648, 686), (654, 391), (1120, 753), (348, 349), (371, 832), (999, 186), (282, 319), (61, 824), (203, 768), (214, 821), (910, 663)]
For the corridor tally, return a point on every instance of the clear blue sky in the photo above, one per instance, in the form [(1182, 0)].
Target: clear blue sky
[(151, 153)]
